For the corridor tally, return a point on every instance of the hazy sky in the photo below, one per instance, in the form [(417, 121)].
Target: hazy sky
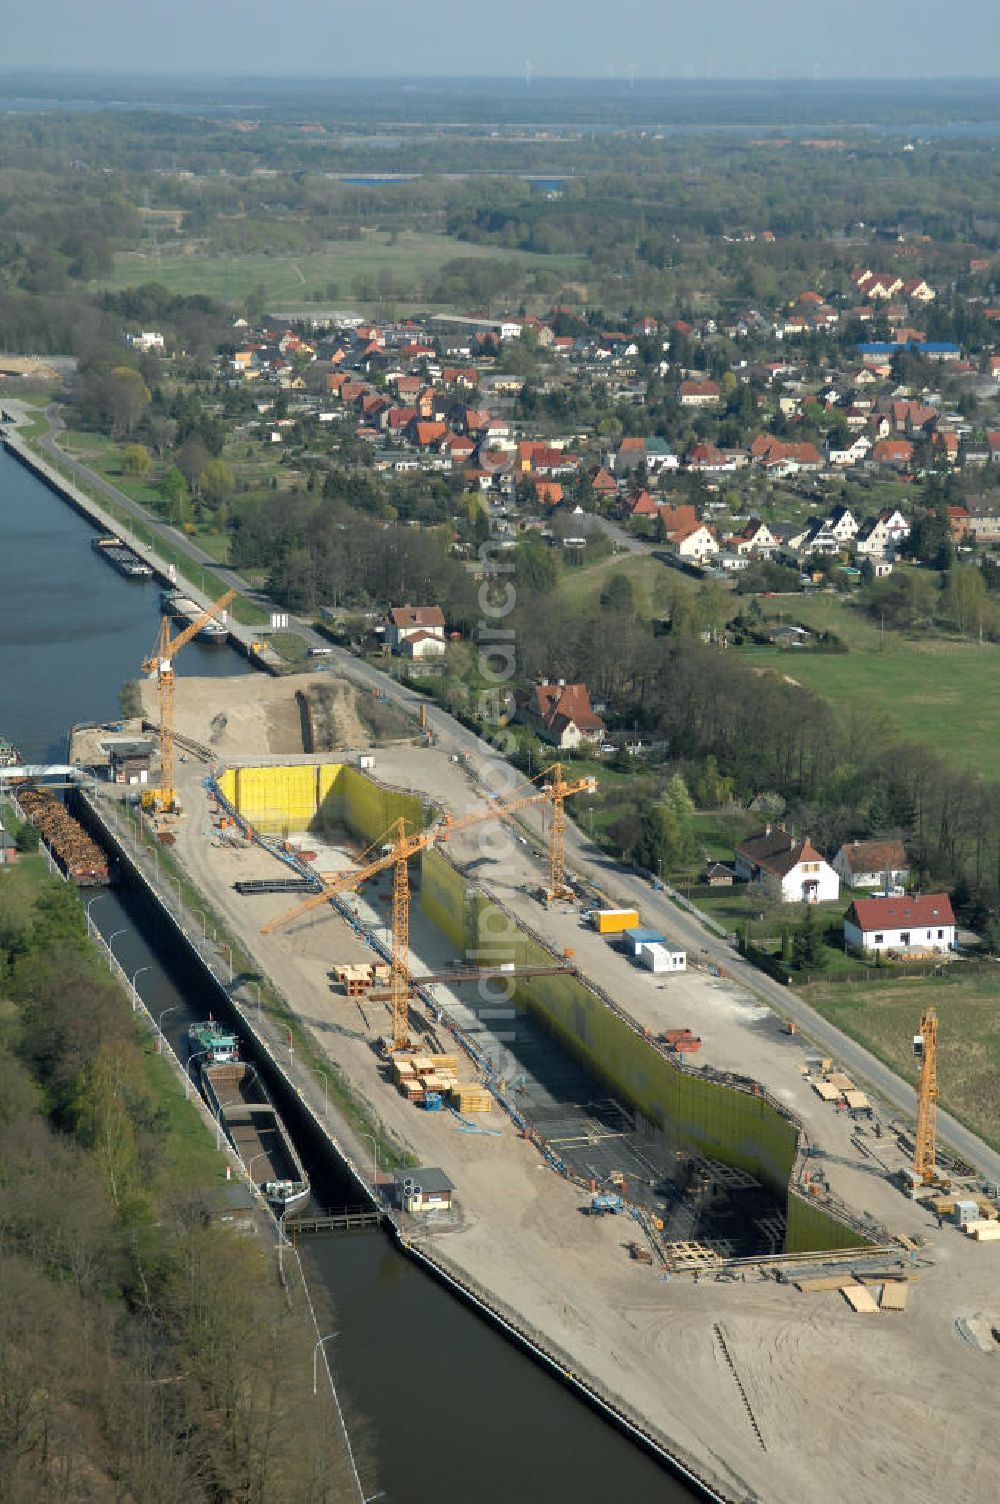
[(659, 38)]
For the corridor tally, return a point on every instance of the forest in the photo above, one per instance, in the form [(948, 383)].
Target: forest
[(146, 1352)]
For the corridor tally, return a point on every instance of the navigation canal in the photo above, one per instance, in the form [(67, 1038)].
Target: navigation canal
[(420, 1376)]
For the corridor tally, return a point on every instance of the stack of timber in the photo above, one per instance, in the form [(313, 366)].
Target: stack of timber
[(80, 858)]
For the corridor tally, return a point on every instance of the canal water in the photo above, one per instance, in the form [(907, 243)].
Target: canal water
[(422, 1379)]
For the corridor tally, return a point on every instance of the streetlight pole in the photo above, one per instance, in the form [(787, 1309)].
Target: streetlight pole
[(225, 945), (253, 1160), (91, 926), (135, 975), (374, 1144), (162, 1015), (111, 941), (326, 1096), (328, 1338)]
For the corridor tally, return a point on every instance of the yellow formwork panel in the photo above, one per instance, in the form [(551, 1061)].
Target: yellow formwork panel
[(278, 799)]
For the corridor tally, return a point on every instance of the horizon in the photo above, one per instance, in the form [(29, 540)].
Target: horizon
[(655, 40)]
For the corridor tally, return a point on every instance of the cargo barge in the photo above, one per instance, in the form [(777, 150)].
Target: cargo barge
[(121, 558), (239, 1102), (82, 860), (183, 609)]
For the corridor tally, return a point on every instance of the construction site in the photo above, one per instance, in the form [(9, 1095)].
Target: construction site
[(653, 1176)]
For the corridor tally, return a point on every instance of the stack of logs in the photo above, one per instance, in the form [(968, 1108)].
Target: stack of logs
[(80, 858)]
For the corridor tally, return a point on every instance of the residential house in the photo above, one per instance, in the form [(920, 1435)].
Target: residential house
[(852, 453), (872, 864), (561, 713), (756, 538), (695, 543), (881, 536), (407, 621), (983, 524), (894, 454), (910, 925), (789, 870), (699, 394), (673, 520)]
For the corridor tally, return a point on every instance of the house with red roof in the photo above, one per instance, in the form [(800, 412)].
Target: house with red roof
[(895, 454), (604, 484), (699, 394), (560, 713), (908, 926), (405, 623)]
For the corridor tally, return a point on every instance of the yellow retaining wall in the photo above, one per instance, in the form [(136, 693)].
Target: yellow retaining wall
[(316, 796)]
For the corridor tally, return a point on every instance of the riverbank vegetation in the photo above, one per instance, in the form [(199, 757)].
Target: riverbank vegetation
[(146, 1349)]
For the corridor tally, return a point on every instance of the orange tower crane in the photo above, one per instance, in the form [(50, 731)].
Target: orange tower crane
[(161, 663), (403, 845), (925, 1151)]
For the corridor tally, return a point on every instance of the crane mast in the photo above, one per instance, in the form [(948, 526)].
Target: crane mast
[(161, 663), (925, 1149)]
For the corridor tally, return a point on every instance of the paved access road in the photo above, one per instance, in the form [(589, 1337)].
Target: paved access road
[(587, 861)]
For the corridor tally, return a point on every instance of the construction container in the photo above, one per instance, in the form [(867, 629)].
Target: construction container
[(635, 939), (615, 921), (662, 957), (965, 1212), (432, 1101)]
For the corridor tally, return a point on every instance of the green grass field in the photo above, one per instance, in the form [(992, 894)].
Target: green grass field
[(886, 1017), (301, 280), (938, 691), (654, 584)]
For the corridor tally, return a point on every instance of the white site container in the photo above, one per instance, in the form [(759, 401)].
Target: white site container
[(660, 958)]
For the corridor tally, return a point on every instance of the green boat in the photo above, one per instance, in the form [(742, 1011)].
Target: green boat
[(216, 1045)]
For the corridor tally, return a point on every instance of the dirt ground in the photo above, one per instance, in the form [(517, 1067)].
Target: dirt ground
[(866, 1407), (253, 715)]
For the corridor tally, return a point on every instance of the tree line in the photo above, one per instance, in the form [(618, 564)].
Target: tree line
[(145, 1351)]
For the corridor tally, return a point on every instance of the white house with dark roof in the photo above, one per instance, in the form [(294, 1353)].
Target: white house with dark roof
[(872, 864), (789, 870)]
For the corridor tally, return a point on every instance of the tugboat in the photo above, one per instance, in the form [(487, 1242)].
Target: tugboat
[(214, 1043)]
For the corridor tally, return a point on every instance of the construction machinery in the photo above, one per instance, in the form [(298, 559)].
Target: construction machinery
[(161, 663), (925, 1149), (396, 849)]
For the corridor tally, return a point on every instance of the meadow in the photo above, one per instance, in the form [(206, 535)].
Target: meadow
[(330, 276), (940, 691)]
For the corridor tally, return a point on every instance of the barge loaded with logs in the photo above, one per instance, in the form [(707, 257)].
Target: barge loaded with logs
[(239, 1102), (82, 860)]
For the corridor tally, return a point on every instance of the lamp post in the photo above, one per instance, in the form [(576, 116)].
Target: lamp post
[(162, 1015), (326, 1096), (111, 940), (204, 924), (90, 923), (282, 1240), (135, 975), (374, 1144), (328, 1338), (262, 1154), (220, 1109), (225, 945)]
